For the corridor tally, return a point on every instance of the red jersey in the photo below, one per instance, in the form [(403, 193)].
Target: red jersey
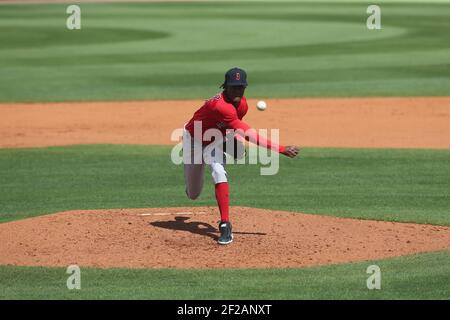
[(219, 114)]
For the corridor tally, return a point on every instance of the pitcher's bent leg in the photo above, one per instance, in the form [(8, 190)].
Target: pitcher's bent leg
[(193, 165), (193, 177)]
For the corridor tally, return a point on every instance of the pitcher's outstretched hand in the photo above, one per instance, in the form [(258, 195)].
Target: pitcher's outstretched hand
[(291, 151)]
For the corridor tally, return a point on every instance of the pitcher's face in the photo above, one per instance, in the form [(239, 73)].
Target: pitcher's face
[(235, 93)]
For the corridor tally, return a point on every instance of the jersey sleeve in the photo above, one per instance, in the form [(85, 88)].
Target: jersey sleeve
[(252, 136)]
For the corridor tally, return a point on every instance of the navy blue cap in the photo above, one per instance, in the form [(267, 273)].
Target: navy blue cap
[(235, 77)]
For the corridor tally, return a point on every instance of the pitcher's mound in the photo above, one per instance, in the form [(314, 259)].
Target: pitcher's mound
[(187, 238)]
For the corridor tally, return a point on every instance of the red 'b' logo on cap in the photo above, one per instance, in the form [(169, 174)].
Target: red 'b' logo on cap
[(238, 76)]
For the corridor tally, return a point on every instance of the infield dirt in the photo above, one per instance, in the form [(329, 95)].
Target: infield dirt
[(344, 122)]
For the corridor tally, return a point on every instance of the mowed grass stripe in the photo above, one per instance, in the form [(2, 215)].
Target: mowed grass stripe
[(181, 50), (382, 184), (423, 276)]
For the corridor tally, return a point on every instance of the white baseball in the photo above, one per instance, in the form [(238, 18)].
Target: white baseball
[(261, 105)]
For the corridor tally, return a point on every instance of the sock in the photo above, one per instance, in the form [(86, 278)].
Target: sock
[(223, 200)]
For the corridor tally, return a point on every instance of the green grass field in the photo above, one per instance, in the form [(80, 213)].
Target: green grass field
[(396, 185), (424, 276), (138, 51), (181, 50)]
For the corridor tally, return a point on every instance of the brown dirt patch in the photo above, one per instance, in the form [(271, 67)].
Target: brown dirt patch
[(186, 238), (344, 122)]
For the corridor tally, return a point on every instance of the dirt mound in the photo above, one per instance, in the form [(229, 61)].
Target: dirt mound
[(186, 238)]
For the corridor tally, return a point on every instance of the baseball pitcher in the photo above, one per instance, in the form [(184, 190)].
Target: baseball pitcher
[(223, 111)]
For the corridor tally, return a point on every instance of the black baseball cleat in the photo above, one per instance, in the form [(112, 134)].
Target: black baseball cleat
[(226, 234)]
